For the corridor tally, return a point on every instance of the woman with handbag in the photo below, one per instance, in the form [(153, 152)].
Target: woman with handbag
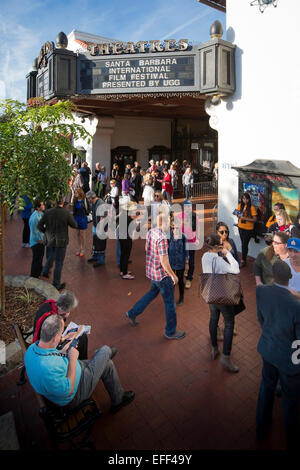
[(213, 263)]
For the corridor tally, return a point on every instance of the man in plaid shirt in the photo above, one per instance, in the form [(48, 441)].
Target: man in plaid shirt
[(162, 278)]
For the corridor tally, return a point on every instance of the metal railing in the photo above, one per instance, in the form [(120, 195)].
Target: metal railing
[(204, 189)]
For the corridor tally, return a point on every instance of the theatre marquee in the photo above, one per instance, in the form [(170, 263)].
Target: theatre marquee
[(142, 67)]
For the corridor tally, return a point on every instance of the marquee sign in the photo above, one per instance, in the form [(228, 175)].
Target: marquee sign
[(142, 73), (142, 67)]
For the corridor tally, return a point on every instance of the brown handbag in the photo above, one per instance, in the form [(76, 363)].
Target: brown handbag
[(222, 289)]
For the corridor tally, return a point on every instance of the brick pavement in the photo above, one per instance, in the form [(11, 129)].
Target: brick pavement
[(184, 400)]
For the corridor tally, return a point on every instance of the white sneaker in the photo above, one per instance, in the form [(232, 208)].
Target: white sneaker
[(188, 284)]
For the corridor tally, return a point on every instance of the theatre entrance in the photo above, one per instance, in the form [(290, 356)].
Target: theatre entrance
[(123, 155), (158, 126)]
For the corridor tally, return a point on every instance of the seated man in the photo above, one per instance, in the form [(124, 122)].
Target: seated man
[(62, 306), (63, 379)]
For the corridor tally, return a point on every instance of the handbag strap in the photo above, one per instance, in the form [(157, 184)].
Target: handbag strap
[(213, 265)]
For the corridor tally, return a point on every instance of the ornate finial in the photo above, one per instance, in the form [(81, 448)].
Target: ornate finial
[(61, 40), (216, 30)]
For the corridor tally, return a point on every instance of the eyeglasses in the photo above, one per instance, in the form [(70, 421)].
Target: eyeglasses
[(277, 243), (223, 231)]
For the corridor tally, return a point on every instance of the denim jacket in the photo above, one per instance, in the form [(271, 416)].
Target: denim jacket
[(178, 253)]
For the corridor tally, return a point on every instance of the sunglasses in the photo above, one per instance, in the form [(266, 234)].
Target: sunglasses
[(156, 197), (223, 231)]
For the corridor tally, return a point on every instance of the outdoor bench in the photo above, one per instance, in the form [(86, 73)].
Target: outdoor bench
[(64, 426)]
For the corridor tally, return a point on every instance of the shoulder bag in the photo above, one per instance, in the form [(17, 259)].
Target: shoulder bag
[(222, 289)]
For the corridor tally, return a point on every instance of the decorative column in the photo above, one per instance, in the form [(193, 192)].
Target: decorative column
[(101, 146)]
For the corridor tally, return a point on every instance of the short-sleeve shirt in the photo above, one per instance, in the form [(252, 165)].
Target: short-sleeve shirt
[(156, 246), (246, 225), (47, 372)]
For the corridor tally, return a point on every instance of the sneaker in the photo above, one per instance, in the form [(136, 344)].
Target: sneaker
[(128, 276), (128, 397), (27, 245), (132, 320), (96, 265), (23, 245), (91, 260), (188, 284), (178, 334), (180, 302)]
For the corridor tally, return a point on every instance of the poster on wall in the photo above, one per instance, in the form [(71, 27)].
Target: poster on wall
[(289, 197), (257, 193)]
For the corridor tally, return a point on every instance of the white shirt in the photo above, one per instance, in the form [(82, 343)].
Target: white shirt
[(148, 194), (294, 283), (114, 192), (210, 260)]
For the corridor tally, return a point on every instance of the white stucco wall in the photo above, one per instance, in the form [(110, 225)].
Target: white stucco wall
[(261, 119), (141, 134)]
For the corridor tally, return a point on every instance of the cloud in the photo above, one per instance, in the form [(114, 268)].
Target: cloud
[(187, 23), (16, 58)]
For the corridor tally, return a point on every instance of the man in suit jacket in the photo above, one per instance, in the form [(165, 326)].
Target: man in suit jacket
[(278, 312), (54, 224)]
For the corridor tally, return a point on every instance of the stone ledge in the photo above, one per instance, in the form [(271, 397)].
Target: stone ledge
[(13, 353)]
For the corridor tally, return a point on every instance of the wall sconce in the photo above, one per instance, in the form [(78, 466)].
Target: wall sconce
[(263, 4), (217, 65)]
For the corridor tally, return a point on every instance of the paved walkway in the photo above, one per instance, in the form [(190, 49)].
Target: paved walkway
[(184, 400)]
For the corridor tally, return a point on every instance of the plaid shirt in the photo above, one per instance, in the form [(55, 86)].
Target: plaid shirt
[(157, 245)]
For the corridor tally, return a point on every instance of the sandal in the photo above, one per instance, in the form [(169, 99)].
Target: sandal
[(81, 254), (77, 253), (128, 276)]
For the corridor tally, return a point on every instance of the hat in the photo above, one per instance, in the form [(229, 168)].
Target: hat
[(293, 243)]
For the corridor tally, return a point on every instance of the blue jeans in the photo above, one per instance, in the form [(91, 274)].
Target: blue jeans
[(118, 252), (191, 265), (166, 288), (100, 257), (290, 385), (56, 254)]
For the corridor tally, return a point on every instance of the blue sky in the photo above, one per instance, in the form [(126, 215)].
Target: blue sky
[(25, 25)]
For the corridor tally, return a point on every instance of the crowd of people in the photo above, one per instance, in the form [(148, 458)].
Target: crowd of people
[(133, 181), (169, 259)]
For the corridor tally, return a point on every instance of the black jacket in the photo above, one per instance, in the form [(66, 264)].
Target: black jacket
[(278, 313), (54, 224)]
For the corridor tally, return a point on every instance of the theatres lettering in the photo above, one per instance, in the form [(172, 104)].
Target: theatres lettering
[(141, 47)]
